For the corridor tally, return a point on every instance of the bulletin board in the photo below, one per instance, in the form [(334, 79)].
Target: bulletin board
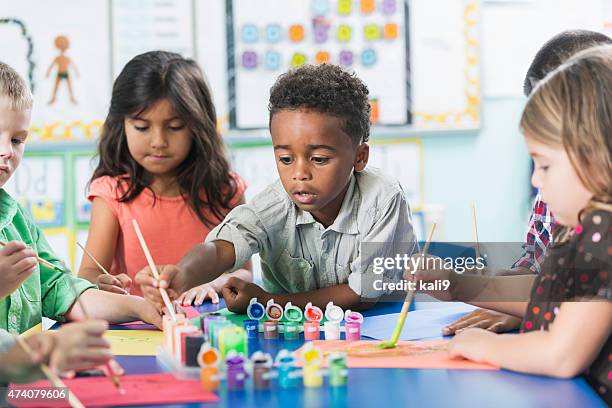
[(269, 37), (51, 187)]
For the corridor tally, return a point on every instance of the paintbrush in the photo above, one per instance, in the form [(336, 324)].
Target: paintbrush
[(41, 261), (406, 306), (51, 376), (162, 291)]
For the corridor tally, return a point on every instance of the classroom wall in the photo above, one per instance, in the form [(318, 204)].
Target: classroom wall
[(488, 168)]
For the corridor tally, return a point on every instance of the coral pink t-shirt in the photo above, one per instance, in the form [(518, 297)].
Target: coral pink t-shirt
[(170, 227)]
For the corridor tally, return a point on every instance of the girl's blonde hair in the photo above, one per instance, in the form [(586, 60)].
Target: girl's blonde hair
[(572, 107)]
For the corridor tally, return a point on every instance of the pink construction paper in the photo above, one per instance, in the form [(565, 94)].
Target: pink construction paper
[(141, 389), (434, 359), (190, 312)]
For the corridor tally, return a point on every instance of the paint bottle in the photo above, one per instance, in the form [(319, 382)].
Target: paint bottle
[(288, 376), (214, 328), (232, 338), (206, 319), (255, 312), (311, 358), (236, 375), (262, 364), (338, 372), (293, 318), (208, 360), (274, 312), (353, 321), (314, 315), (334, 315)]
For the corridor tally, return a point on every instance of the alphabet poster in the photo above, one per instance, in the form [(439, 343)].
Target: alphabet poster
[(38, 186)]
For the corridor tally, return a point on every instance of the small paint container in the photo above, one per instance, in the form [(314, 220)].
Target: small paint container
[(206, 319), (232, 338), (236, 375), (293, 317), (293, 313), (262, 364), (274, 311), (287, 371), (292, 331), (311, 356), (252, 328), (255, 310), (209, 378), (314, 315), (270, 329), (338, 372), (334, 316), (208, 359), (215, 328), (352, 325)]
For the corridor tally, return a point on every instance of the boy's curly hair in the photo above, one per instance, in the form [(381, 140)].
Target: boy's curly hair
[(328, 89)]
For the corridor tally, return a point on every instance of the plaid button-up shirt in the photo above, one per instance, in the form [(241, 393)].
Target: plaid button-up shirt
[(539, 236)]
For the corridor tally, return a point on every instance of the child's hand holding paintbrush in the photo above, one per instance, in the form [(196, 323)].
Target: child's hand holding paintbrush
[(17, 263)]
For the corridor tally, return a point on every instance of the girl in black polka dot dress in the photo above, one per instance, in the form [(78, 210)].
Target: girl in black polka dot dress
[(567, 320)]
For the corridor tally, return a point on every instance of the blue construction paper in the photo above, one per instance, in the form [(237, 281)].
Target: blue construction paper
[(420, 324)]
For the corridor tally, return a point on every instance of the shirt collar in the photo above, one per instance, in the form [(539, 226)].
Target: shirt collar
[(8, 208), (346, 220)]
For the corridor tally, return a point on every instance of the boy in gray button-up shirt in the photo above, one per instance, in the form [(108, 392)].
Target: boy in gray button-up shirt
[(309, 227)]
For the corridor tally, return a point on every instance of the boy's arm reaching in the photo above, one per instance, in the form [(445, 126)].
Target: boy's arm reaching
[(237, 294)]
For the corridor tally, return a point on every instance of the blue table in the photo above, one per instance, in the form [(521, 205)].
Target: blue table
[(399, 387)]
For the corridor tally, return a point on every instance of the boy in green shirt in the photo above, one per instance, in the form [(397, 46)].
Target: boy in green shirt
[(29, 290)]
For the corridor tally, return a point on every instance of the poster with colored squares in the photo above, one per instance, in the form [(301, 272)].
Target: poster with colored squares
[(269, 37)]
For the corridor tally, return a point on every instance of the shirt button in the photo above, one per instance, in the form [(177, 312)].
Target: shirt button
[(14, 319)]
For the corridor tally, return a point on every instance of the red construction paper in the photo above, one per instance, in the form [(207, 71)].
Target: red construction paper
[(141, 389), (433, 359)]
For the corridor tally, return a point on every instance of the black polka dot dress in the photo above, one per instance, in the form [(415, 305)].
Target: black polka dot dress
[(579, 268)]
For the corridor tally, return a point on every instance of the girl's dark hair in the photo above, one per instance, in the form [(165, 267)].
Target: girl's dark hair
[(146, 79)]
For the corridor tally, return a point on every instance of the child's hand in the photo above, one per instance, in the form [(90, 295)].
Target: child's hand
[(17, 263), (170, 279), (80, 346), (198, 295), (418, 272), (484, 319), (120, 284), (19, 367), (470, 344), (237, 294), (149, 313)]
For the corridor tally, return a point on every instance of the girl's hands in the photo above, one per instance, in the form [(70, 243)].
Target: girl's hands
[(198, 295), (471, 344), (120, 284)]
